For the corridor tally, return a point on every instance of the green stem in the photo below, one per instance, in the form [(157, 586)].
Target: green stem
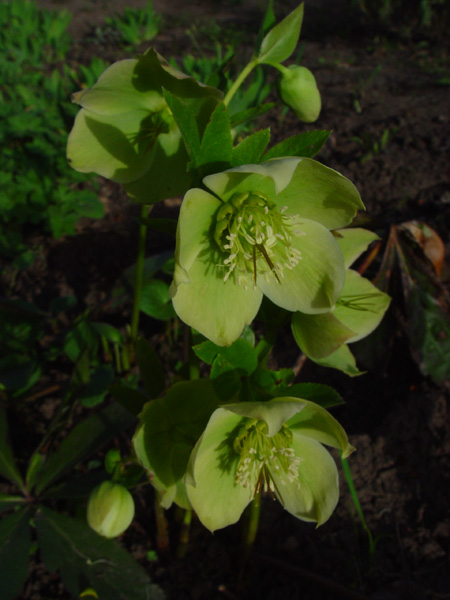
[(241, 77), (184, 534), (251, 528), (139, 273)]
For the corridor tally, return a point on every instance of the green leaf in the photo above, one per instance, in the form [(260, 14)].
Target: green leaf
[(280, 42), (240, 355), (8, 466), (251, 113), (170, 427), (155, 301), (95, 391), (107, 331), (251, 148), (217, 144), (82, 337), (34, 468), (131, 399), (186, 121), (85, 439), (306, 144), (150, 368), (7, 502), (168, 226), (85, 559), (321, 394), (15, 544)]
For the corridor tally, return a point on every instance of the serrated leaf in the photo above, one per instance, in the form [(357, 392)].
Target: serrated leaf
[(186, 121), (249, 151), (282, 39), (15, 543), (150, 368), (85, 439), (8, 466), (306, 144), (82, 557), (217, 144), (250, 113)]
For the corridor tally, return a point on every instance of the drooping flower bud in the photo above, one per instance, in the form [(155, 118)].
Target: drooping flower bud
[(110, 509), (298, 89)]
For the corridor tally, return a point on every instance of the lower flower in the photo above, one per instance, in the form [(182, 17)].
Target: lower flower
[(273, 446)]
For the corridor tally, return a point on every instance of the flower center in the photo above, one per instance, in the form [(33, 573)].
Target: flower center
[(255, 238), (261, 456)]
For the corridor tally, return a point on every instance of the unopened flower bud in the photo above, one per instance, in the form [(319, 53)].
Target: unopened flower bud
[(298, 89), (110, 509)]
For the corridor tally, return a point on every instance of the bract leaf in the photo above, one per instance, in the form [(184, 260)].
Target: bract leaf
[(185, 117), (250, 149), (306, 144), (216, 145), (282, 39), (169, 429)]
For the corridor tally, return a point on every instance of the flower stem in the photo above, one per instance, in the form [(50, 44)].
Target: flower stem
[(240, 79), (138, 277), (251, 528)]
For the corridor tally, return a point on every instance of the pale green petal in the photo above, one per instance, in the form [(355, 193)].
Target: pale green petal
[(315, 283), (316, 422), (202, 299), (321, 194), (219, 310), (194, 225), (158, 182), (109, 145), (170, 427), (319, 336), (248, 178), (210, 484), (125, 86), (274, 412), (361, 305), (353, 242), (314, 496), (342, 359)]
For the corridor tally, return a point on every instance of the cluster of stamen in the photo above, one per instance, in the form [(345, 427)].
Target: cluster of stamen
[(255, 238), (261, 456)]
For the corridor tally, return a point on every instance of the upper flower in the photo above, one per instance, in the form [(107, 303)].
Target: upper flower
[(274, 446), (262, 229), (126, 132)]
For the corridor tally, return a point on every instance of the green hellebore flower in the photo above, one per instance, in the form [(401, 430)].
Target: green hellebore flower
[(298, 89), (358, 311), (260, 230), (126, 132), (110, 509), (273, 446)]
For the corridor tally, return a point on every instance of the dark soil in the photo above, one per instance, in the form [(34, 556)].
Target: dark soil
[(398, 420)]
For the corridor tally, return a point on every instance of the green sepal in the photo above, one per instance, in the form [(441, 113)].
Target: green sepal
[(319, 336), (343, 360), (353, 242)]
